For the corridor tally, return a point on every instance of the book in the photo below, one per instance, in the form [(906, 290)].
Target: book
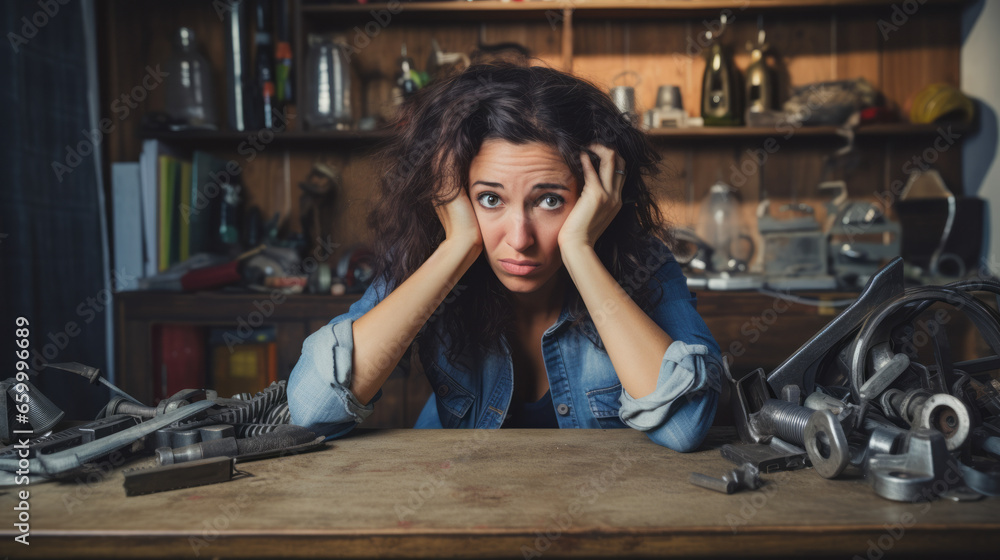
[(126, 198), (179, 359), (206, 193), (166, 191), (184, 194), (243, 360), (150, 200)]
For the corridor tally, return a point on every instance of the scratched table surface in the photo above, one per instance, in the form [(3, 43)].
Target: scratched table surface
[(493, 493)]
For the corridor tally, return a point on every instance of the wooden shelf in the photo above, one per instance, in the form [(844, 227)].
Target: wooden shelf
[(294, 317), (298, 139), (459, 9), (901, 130), (367, 138), (224, 307)]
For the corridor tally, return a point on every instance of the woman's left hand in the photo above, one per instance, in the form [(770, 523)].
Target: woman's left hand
[(599, 202)]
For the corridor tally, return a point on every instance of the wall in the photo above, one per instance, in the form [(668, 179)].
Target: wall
[(981, 80)]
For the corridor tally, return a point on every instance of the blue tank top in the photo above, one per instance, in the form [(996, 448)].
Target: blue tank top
[(538, 414)]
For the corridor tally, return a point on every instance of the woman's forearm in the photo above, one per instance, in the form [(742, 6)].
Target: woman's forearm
[(635, 343), (382, 335)]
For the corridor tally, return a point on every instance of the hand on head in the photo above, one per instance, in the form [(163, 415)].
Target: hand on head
[(458, 218), (600, 200)]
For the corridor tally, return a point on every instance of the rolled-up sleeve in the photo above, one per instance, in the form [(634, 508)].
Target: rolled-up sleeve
[(679, 412), (319, 395)]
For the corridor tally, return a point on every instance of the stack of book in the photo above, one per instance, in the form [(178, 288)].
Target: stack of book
[(163, 208)]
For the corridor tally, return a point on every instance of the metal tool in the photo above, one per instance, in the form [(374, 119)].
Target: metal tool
[(826, 444), (283, 437), (746, 477), (910, 476), (60, 462), (766, 458), (811, 359), (982, 476), (91, 374), (42, 414), (861, 238), (173, 477), (795, 249), (864, 364)]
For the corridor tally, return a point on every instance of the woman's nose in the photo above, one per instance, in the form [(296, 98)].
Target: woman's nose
[(520, 235)]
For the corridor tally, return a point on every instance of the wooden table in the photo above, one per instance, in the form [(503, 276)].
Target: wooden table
[(495, 493)]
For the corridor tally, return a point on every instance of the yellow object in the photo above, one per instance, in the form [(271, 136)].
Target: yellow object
[(938, 100), (168, 174)]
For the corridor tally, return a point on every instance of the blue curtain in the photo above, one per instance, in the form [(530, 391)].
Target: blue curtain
[(52, 223)]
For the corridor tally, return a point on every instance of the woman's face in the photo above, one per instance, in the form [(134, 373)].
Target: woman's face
[(521, 195)]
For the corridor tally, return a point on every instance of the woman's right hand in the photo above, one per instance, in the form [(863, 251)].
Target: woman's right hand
[(458, 217)]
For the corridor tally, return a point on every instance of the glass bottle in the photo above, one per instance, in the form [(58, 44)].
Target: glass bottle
[(189, 92), (719, 225)]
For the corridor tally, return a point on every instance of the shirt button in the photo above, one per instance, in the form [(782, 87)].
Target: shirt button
[(562, 409), (442, 390)]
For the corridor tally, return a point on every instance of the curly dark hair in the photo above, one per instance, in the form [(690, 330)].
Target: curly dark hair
[(519, 104)]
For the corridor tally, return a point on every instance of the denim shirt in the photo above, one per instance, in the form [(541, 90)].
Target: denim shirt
[(585, 389)]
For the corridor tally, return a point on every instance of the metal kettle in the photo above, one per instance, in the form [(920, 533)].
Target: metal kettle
[(328, 84)]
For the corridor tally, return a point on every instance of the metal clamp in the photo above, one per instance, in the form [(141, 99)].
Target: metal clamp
[(910, 476)]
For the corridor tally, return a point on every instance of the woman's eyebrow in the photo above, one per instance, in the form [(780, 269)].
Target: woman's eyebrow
[(554, 186)]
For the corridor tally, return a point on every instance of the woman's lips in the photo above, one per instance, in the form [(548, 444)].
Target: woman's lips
[(519, 268)]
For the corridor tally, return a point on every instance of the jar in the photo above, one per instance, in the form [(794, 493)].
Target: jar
[(189, 92)]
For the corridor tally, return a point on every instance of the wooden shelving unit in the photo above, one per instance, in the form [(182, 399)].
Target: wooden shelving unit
[(813, 40)]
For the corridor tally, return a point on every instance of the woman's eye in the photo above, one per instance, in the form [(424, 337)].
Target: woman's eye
[(489, 200), (551, 202)]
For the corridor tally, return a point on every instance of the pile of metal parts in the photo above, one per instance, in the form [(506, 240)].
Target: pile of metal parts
[(192, 438), (855, 398)]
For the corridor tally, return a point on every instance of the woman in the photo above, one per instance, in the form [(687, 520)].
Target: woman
[(522, 263)]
